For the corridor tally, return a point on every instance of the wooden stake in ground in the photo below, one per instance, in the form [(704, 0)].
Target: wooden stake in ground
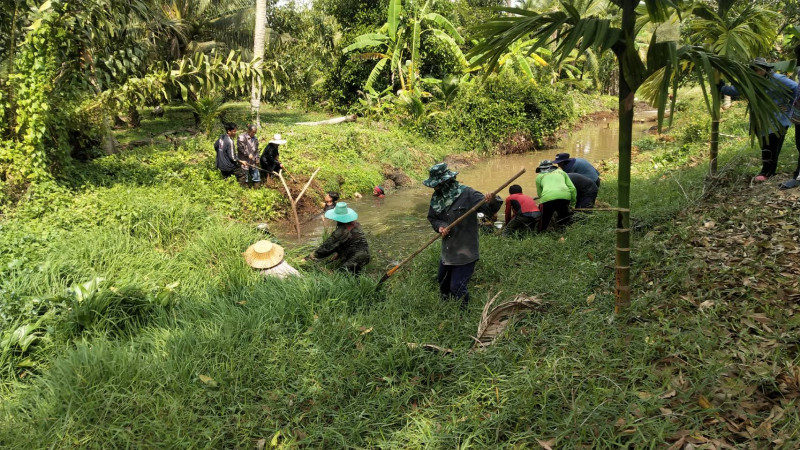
[(294, 201)]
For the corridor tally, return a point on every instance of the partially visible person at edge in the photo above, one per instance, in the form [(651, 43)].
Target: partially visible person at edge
[(247, 152), (772, 140), (450, 200), (577, 165), (347, 240), (270, 159), (267, 257), (522, 212), (556, 193), (795, 113), (330, 201), (586, 190), (226, 151)]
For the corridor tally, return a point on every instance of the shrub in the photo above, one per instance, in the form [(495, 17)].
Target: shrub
[(485, 114)]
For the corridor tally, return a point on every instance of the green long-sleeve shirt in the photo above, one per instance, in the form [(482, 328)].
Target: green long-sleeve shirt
[(555, 185)]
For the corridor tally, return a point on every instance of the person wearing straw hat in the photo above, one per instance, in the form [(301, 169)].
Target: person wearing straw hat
[(771, 140), (348, 240), (268, 258), (270, 161), (449, 201), (556, 193)]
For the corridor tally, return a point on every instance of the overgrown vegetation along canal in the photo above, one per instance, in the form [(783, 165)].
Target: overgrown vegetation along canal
[(182, 344)]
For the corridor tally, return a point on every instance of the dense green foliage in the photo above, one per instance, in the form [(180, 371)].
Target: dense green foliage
[(490, 112)]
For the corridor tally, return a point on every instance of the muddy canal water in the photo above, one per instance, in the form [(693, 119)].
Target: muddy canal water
[(396, 225)]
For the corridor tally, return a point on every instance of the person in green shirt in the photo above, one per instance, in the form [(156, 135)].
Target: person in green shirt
[(556, 193)]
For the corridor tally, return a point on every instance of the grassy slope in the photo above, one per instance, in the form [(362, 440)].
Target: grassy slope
[(323, 361)]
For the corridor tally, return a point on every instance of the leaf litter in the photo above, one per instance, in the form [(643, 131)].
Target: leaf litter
[(742, 257)]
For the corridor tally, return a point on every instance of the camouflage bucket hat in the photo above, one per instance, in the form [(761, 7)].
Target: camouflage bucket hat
[(545, 166), (439, 173)]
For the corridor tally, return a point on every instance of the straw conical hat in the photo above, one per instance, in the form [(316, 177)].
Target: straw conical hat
[(263, 255)]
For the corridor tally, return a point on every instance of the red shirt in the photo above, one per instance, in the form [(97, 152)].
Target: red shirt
[(519, 204)]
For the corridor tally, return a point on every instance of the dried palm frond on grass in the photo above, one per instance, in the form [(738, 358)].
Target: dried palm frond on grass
[(495, 321)]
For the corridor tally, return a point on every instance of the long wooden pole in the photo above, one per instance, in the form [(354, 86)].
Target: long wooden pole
[(394, 269)]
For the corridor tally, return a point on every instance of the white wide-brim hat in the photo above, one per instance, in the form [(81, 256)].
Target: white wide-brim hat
[(276, 139)]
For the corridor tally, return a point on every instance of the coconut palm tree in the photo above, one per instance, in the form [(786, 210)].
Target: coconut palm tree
[(567, 29), (259, 39)]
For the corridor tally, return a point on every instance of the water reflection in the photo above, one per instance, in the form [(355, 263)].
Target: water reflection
[(397, 224)]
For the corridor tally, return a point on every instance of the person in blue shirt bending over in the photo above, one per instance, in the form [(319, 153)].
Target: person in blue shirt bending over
[(577, 165), (771, 141)]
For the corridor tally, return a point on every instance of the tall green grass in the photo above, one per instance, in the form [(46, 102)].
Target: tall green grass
[(186, 346)]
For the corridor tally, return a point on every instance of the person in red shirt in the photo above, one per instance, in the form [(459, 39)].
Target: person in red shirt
[(522, 212)]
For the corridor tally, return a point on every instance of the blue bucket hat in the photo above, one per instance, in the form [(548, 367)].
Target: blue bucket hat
[(341, 213), (439, 173), (561, 157)]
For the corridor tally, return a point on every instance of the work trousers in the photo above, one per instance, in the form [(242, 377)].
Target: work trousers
[(797, 146), (560, 207), (587, 201), (453, 281), (522, 223), (770, 150), (245, 173)]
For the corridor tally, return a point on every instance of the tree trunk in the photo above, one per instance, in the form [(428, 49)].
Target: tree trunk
[(259, 41), (11, 119), (134, 118), (627, 89), (715, 115)]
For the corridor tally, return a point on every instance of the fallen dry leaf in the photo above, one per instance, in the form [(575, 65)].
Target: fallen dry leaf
[(667, 395), (547, 445), (207, 380), (704, 403), (590, 299)]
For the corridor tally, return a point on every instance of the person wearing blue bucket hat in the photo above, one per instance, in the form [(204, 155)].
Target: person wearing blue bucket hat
[(451, 200), (348, 240)]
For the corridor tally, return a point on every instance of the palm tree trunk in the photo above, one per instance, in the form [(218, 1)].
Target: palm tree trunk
[(627, 89), (715, 115), (259, 41)]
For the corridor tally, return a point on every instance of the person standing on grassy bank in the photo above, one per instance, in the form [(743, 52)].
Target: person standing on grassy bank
[(348, 240), (247, 152), (522, 212), (577, 165), (226, 152), (556, 193), (270, 162), (771, 143), (451, 200)]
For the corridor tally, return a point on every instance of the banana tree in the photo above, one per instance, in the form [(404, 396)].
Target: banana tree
[(400, 39), (568, 29)]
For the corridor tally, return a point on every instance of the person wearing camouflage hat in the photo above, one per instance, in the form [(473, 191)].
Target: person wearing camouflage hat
[(451, 200)]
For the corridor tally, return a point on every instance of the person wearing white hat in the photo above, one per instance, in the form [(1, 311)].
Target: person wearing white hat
[(268, 258), (270, 159)]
